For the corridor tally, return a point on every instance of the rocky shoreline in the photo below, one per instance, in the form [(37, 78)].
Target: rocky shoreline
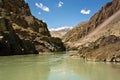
[(106, 48)]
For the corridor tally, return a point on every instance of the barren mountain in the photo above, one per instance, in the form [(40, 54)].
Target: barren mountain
[(99, 39), (59, 32), (24, 29), (103, 22)]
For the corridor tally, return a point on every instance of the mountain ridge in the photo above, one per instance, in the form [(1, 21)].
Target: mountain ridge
[(27, 28), (59, 32), (99, 38), (99, 17)]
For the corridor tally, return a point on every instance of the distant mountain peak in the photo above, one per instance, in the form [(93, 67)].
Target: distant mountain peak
[(60, 32), (61, 28)]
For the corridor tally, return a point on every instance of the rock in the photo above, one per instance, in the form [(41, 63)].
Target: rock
[(52, 44), (27, 32), (10, 43), (78, 33), (20, 14), (107, 40), (117, 59), (108, 49)]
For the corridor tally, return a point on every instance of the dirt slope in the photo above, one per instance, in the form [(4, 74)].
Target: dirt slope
[(104, 22), (96, 33)]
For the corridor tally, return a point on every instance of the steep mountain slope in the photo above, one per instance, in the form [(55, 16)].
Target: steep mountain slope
[(20, 14), (108, 27), (10, 43), (102, 41), (84, 29), (26, 27), (106, 48)]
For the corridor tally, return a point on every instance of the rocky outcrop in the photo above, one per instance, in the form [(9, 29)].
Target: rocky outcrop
[(20, 14), (104, 49), (10, 43), (42, 43), (80, 31), (27, 33), (49, 44), (99, 38)]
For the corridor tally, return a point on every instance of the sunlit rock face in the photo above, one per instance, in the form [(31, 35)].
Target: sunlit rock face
[(10, 43), (84, 29), (20, 14), (106, 48), (31, 31)]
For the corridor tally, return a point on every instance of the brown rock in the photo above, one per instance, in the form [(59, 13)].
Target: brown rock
[(10, 43), (27, 28), (108, 49), (82, 30)]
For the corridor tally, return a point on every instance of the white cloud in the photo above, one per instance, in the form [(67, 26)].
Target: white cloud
[(60, 4), (41, 6), (39, 12), (83, 11)]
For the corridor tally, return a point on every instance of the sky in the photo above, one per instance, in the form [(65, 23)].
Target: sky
[(60, 13)]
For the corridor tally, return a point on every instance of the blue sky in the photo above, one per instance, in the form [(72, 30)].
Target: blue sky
[(59, 13)]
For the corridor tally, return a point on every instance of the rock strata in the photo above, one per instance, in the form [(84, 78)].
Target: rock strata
[(23, 32), (82, 30), (106, 48), (10, 43)]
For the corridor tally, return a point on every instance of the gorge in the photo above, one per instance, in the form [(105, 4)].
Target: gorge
[(31, 51)]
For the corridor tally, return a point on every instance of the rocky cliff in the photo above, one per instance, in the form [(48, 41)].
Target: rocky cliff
[(18, 12), (27, 30), (80, 31), (106, 48), (99, 38), (10, 43)]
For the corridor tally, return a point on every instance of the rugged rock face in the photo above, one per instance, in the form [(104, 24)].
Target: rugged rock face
[(42, 43), (20, 14), (27, 33), (98, 39), (10, 43), (104, 49), (80, 31)]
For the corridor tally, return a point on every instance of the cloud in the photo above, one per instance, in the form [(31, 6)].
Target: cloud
[(83, 11), (41, 6), (39, 13), (60, 4)]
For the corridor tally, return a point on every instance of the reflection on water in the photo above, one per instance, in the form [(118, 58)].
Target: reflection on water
[(55, 67)]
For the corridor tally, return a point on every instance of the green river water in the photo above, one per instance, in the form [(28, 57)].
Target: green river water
[(55, 67)]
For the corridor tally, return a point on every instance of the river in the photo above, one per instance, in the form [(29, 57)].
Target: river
[(55, 67)]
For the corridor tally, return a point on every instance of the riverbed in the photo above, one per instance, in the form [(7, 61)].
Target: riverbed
[(55, 67)]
